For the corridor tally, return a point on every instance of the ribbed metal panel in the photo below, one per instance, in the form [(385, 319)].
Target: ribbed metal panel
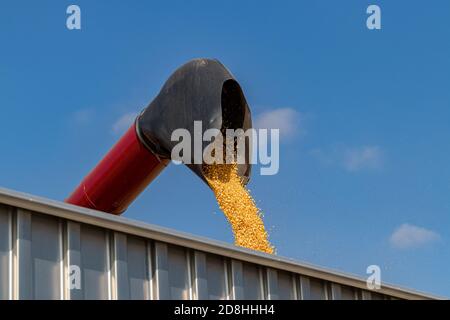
[(50, 250), (6, 250)]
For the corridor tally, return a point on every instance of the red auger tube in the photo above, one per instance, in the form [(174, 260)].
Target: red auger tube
[(120, 177)]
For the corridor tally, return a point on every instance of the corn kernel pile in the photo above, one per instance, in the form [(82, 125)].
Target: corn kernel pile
[(238, 206)]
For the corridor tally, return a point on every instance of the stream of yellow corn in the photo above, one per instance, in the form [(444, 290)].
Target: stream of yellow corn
[(238, 206)]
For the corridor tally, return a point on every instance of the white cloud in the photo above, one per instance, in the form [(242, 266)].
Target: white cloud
[(124, 122), (82, 116), (365, 157), (410, 236), (352, 159), (285, 119)]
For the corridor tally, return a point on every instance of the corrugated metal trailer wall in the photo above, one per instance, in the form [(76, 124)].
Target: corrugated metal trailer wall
[(51, 250)]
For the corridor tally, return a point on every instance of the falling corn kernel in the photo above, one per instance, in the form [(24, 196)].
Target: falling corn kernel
[(238, 206)]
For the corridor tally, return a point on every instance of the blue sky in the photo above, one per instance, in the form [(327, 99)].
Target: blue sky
[(364, 161)]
